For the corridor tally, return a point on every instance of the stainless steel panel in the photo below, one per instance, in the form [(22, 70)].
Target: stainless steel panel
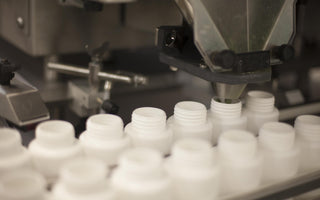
[(54, 29)]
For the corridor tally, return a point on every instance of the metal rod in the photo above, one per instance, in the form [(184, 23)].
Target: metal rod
[(78, 71), (298, 185)]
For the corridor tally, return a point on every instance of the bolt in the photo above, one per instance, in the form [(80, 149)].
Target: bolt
[(171, 39), (20, 22)]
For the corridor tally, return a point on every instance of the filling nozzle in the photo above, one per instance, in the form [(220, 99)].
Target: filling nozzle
[(228, 91)]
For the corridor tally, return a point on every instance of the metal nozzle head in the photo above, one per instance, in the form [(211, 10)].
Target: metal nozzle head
[(228, 91)]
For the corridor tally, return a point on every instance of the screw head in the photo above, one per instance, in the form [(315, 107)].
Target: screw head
[(20, 22)]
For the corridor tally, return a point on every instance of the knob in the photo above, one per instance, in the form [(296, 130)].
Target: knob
[(110, 107)]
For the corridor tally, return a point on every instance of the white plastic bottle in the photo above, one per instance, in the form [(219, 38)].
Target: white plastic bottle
[(141, 176), (308, 138), (194, 170), (280, 154), (259, 110), (22, 184), (226, 116), (104, 138), (190, 121), (148, 129), (54, 144), (83, 179), (12, 154), (240, 162)]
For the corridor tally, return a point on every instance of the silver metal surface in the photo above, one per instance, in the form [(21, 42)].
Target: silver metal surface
[(264, 191), (3, 122), (21, 103), (50, 28), (240, 25), (78, 71), (228, 91), (293, 112)]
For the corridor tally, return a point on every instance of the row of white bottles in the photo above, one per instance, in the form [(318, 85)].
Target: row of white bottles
[(194, 170)]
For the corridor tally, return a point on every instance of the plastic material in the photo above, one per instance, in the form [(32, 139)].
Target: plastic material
[(141, 176), (308, 138), (83, 178), (54, 144), (104, 138), (260, 110), (240, 162), (194, 170), (280, 155), (148, 129), (12, 154), (226, 116), (190, 121), (22, 185)]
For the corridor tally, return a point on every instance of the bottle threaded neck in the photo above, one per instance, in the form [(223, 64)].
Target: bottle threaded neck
[(277, 136), (83, 174), (142, 163), (231, 109), (308, 127), (237, 145), (104, 126), (149, 119), (260, 101), (190, 113), (23, 184), (192, 152), (55, 133)]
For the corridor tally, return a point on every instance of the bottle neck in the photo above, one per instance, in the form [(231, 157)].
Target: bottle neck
[(189, 113), (260, 101), (149, 120), (194, 153), (308, 127), (237, 145), (55, 133), (105, 126), (141, 164), (83, 175), (225, 110), (276, 136), (23, 184)]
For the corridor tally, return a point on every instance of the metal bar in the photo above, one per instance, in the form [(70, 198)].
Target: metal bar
[(302, 183), (290, 113), (78, 71)]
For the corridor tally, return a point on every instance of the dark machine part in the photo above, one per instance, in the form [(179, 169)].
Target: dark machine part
[(85, 4), (176, 46), (110, 107), (236, 48), (7, 70)]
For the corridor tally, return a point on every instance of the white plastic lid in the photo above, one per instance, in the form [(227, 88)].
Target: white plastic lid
[(226, 110), (190, 113), (105, 126), (141, 162), (10, 141), (237, 145), (308, 126), (149, 119), (22, 184), (260, 101), (83, 174), (277, 136), (55, 133), (193, 152)]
